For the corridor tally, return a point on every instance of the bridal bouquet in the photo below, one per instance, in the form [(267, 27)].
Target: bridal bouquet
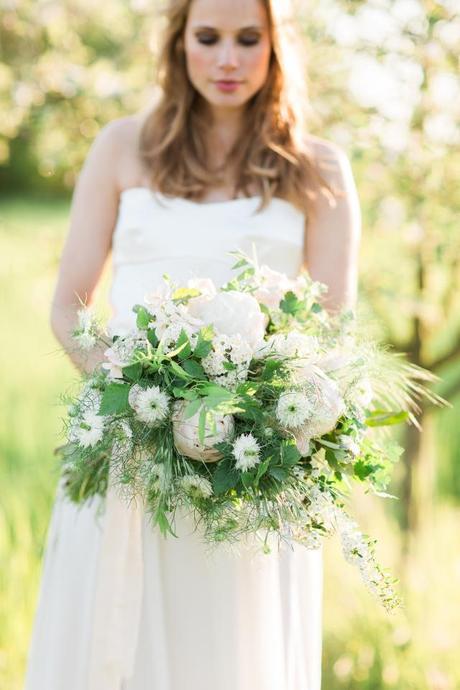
[(249, 404)]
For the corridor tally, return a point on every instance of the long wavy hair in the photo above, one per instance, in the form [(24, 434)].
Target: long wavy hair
[(271, 153)]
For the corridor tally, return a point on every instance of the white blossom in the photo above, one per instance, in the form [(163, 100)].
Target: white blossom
[(231, 313), (293, 409), (88, 429), (150, 404), (246, 450), (194, 484), (349, 444)]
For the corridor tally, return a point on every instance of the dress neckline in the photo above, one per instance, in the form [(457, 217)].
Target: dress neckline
[(190, 202)]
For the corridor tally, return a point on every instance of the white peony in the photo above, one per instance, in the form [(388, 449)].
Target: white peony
[(186, 436), (232, 313), (328, 406)]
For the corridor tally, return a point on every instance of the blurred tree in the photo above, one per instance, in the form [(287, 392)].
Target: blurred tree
[(393, 99)]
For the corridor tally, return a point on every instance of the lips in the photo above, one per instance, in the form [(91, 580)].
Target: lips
[(227, 84)]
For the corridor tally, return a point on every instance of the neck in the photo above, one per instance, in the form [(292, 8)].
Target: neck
[(224, 127)]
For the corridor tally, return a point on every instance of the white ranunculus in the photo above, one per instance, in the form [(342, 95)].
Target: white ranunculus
[(232, 313), (186, 437)]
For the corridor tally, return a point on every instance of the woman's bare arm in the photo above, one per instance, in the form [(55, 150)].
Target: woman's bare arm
[(332, 240), (92, 219)]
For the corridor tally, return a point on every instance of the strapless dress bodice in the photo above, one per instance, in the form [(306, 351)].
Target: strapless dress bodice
[(156, 234)]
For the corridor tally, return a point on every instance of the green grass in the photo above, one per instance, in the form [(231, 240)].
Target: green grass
[(364, 649)]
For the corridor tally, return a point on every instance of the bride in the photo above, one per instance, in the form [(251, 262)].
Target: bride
[(221, 162)]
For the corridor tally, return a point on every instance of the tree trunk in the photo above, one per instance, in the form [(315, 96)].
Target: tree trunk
[(418, 485)]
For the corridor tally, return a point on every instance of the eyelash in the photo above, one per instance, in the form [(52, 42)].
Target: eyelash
[(245, 42)]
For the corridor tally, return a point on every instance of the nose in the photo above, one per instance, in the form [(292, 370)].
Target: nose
[(227, 58)]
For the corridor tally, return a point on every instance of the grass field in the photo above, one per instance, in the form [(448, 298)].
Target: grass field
[(364, 648)]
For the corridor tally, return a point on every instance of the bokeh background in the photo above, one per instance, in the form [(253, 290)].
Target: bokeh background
[(384, 85)]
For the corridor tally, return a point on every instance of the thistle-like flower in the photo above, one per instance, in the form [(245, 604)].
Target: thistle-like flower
[(293, 409), (196, 486), (151, 404), (246, 450)]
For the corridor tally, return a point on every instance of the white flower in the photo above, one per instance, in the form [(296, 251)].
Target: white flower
[(195, 485), (328, 405), (230, 349), (186, 435), (205, 286), (88, 430), (301, 349), (85, 340), (349, 444), (293, 409), (86, 332), (150, 404), (120, 353), (232, 313), (246, 450), (363, 393), (272, 286)]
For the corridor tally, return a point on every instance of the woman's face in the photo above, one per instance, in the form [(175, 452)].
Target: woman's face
[(227, 48)]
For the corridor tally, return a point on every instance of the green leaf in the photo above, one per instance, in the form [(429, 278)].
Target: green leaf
[(262, 467), (202, 424), (177, 369), (143, 317), (152, 338), (225, 477), (192, 408), (362, 469), (204, 342), (316, 307), (133, 372), (279, 473), (289, 453), (183, 339), (115, 399), (290, 304), (194, 369), (385, 417)]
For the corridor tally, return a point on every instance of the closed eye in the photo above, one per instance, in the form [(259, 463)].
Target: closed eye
[(212, 40)]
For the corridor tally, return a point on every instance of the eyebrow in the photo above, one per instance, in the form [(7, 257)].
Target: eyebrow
[(243, 28)]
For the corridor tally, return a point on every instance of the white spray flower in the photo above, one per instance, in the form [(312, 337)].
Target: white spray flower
[(246, 450)]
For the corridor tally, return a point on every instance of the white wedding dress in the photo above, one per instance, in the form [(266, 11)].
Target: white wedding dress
[(120, 606)]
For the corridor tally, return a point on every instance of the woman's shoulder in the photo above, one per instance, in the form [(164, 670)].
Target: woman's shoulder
[(331, 159), (120, 138)]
